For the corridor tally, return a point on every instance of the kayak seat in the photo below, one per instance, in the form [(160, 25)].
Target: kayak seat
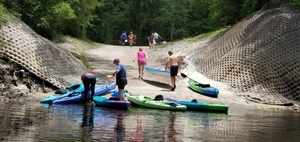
[(203, 85), (194, 101), (60, 91), (159, 97), (172, 104), (114, 98)]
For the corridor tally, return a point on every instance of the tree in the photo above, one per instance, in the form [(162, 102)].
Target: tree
[(174, 14)]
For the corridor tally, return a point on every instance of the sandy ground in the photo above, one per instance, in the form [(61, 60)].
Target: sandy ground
[(101, 60)]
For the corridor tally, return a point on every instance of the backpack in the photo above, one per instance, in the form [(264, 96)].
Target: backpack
[(123, 36)]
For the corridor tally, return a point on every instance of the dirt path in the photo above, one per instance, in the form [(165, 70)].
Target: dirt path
[(101, 60)]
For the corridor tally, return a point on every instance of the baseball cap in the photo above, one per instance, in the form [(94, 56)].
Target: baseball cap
[(116, 60)]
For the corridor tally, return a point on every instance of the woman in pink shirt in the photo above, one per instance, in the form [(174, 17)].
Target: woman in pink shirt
[(141, 58)]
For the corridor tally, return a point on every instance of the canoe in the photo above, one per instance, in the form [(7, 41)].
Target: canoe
[(205, 89), (158, 71), (111, 102), (78, 87), (79, 97), (154, 103), (202, 106)]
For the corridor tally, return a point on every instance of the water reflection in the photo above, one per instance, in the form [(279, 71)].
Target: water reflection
[(36, 122), (87, 124), (120, 128), (139, 129), (171, 130)]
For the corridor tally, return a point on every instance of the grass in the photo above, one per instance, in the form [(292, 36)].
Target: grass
[(4, 16), (205, 36), (81, 56)]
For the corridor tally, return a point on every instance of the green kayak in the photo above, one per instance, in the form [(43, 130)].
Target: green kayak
[(205, 89), (154, 103)]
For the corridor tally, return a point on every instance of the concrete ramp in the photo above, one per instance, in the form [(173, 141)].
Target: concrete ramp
[(259, 56), (38, 55)]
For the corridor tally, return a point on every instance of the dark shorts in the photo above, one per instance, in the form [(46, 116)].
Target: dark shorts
[(123, 40), (173, 71), (122, 82)]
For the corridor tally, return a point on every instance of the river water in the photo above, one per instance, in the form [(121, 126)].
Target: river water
[(35, 122)]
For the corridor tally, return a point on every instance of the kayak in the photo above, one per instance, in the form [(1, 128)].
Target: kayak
[(154, 102), (116, 94), (79, 97), (78, 87), (158, 71), (205, 89), (111, 102), (195, 105)]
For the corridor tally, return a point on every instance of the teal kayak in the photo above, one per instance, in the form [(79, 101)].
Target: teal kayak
[(154, 103), (205, 89), (202, 106), (78, 87), (111, 102)]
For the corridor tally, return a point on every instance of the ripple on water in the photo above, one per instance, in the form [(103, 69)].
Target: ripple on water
[(37, 122)]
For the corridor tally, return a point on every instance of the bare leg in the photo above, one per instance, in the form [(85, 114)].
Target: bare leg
[(139, 70), (121, 93), (173, 80), (142, 70)]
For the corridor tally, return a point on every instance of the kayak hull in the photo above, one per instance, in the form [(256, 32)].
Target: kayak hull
[(78, 87), (157, 71), (109, 103), (202, 106), (79, 97), (155, 104), (198, 87)]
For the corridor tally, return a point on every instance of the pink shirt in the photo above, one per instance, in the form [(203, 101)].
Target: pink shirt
[(141, 57)]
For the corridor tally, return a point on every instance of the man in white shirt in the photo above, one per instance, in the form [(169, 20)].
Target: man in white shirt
[(156, 36)]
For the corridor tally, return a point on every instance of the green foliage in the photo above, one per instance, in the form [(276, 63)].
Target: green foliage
[(10, 61), (295, 3), (25, 80), (4, 17), (104, 20)]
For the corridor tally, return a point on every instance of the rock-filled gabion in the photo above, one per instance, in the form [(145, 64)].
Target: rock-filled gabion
[(259, 56), (38, 55)]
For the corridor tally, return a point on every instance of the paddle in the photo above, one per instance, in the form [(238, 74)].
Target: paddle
[(183, 75), (199, 84)]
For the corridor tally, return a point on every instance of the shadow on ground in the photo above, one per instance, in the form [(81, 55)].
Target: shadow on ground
[(158, 84)]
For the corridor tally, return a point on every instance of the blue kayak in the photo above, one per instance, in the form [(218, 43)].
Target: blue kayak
[(157, 71), (111, 102), (78, 87), (79, 96), (116, 94)]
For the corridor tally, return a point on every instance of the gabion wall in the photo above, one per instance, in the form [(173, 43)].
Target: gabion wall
[(38, 55), (258, 56)]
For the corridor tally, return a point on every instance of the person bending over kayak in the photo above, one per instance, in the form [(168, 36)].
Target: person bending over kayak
[(121, 79), (88, 80), (173, 63)]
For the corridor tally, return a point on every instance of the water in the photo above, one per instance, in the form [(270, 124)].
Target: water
[(33, 122)]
